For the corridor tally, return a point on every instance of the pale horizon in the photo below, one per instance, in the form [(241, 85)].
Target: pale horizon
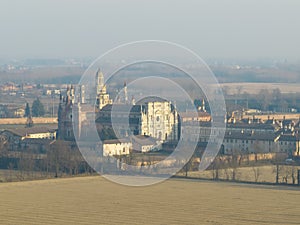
[(229, 29)]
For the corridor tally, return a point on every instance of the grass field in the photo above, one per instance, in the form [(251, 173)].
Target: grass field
[(94, 200)]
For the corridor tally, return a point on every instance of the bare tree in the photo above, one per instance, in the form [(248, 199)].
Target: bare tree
[(216, 166), (277, 96), (293, 172), (188, 166), (3, 146), (278, 166), (258, 149), (257, 173), (288, 172), (10, 172), (264, 98), (239, 90), (26, 165), (225, 90), (56, 157), (234, 163)]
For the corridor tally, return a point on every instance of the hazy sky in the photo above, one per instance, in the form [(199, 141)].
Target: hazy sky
[(212, 28)]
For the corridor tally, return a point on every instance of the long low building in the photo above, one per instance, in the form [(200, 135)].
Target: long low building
[(248, 137), (115, 147), (18, 134), (250, 142)]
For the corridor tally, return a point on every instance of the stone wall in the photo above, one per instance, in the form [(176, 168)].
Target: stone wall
[(36, 120)]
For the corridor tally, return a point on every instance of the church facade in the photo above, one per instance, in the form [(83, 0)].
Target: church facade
[(152, 116)]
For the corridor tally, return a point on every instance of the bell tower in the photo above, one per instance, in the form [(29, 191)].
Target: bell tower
[(102, 96)]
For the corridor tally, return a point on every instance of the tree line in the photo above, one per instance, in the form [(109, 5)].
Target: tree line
[(37, 109), (59, 159)]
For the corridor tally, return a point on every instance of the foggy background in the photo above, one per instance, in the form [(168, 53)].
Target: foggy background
[(87, 28)]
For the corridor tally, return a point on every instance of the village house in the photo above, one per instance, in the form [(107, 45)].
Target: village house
[(143, 143), (15, 136), (116, 147), (11, 111), (195, 116), (31, 133)]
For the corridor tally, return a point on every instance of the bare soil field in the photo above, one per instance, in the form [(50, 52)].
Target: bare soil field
[(254, 88), (94, 200)]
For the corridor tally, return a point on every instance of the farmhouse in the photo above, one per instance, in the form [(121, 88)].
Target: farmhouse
[(29, 133), (115, 147)]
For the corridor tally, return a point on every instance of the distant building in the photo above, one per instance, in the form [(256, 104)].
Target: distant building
[(29, 133), (65, 115), (117, 147), (19, 112), (48, 92), (250, 142), (290, 143), (195, 116), (22, 136), (11, 111), (74, 110), (143, 143), (154, 117), (256, 127), (102, 96)]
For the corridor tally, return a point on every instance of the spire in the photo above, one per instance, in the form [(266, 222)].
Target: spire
[(99, 81), (203, 105), (125, 93), (133, 100), (102, 96), (70, 95), (82, 94)]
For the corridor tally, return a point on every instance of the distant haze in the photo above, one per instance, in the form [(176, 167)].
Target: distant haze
[(87, 28)]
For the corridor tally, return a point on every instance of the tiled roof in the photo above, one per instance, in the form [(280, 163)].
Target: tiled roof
[(121, 108), (30, 130), (116, 141), (37, 141), (194, 114), (288, 137), (87, 108), (144, 140), (260, 126), (250, 136)]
